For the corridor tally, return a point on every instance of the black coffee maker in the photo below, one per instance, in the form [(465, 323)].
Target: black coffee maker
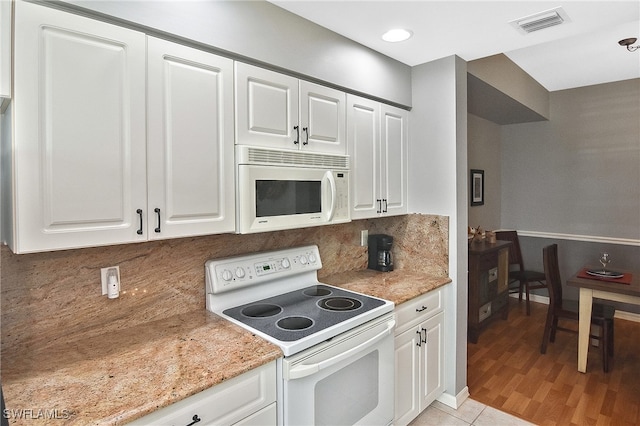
[(380, 252)]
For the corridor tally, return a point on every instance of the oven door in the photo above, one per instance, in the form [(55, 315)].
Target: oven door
[(271, 198), (347, 380)]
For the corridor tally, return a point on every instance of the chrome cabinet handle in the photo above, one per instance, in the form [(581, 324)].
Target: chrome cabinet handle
[(157, 210), (139, 231), (297, 129), (306, 130)]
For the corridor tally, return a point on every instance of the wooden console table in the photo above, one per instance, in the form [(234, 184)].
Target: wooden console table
[(488, 285)]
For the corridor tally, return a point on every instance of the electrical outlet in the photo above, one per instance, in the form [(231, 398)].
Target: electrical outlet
[(109, 273), (364, 238)]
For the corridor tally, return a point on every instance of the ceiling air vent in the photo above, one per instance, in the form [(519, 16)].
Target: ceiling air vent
[(540, 21)]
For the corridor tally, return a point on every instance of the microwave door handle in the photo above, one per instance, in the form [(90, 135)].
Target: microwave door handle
[(304, 370), (332, 189)]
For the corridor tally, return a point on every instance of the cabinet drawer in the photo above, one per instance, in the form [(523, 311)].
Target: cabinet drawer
[(488, 261), (418, 309), (226, 403)]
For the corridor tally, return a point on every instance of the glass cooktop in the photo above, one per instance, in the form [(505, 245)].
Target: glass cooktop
[(297, 314)]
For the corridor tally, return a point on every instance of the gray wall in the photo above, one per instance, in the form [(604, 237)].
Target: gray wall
[(578, 173), (483, 148), (574, 180), (257, 31)]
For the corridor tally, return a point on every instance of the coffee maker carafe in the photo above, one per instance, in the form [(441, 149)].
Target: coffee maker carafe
[(380, 252)]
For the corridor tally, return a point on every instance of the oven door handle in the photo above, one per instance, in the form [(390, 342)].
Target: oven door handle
[(304, 370)]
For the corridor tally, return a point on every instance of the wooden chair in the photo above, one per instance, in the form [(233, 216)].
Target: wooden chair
[(602, 315), (527, 280)]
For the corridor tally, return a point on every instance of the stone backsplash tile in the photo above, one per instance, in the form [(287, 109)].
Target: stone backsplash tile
[(51, 296)]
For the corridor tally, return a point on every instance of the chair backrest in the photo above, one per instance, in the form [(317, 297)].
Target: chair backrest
[(515, 255), (552, 275)]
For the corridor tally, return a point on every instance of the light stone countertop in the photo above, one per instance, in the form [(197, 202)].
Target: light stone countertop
[(117, 377), (396, 286)]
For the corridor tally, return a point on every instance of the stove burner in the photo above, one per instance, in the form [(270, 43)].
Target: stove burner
[(294, 323), (316, 291), (339, 304), (261, 310)]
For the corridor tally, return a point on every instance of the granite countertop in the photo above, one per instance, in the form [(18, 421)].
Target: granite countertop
[(396, 286), (116, 377)]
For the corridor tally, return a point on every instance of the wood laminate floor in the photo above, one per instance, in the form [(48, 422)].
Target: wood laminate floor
[(506, 371)]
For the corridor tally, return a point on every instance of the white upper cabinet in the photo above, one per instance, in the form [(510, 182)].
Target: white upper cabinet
[(322, 118), (363, 133), (393, 156), (78, 131), (278, 111), (84, 171), (378, 138), (190, 141)]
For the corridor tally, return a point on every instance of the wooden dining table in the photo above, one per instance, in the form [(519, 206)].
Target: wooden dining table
[(625, 290)]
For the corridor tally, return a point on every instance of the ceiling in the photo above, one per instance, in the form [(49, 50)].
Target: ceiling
[(580, 52)]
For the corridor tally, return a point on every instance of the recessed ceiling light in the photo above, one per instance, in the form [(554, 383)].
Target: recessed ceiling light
[(398, 34)]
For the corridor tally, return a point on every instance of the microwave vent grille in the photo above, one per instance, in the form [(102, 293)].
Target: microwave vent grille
[(293, 158)]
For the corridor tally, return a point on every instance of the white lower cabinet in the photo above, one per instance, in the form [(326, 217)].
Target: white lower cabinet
[(419, 355), (248, 399)]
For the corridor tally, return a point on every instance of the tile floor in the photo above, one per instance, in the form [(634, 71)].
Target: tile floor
[(469, 413)]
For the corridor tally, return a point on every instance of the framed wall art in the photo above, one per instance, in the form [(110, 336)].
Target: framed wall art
[(477, 187)]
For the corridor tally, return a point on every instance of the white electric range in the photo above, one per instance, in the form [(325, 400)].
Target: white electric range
[(338, 345)]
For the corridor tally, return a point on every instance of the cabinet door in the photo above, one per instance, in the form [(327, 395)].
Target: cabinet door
[(322, 119), (407, 377), (266, 108), (432, 362), (393, 176), (363, 135), (79, 131), (190, 141)]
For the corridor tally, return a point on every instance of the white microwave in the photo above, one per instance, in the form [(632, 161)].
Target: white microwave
[(279, 189)]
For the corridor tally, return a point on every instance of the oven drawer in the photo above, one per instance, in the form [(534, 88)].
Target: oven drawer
[(418, 309), (227, 403)]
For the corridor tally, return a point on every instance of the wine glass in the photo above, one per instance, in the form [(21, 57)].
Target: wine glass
[(605, 259)]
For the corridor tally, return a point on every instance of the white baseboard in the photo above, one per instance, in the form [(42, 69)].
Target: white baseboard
[(454, 401), (628, 316)]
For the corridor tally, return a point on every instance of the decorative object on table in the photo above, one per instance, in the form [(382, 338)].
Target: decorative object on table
[(608, 276), (527, 279), (605, 259), (491, 237), (476, 234), (477, 187), (601, 315)]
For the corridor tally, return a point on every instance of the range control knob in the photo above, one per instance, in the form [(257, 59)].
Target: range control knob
[(312, 258), (227, 275), (285, 263), (303, 259), (240, 272)]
